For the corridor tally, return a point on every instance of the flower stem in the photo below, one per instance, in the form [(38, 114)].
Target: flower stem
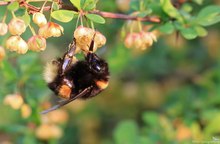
[(139, 26), (42, 8), (4, 17), (13, 14), (77, 21), (51, 10), (32, 29)]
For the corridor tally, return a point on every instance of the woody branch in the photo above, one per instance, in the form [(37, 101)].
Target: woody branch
[(32, 9)]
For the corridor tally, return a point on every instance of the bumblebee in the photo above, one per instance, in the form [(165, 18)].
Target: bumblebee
[(72, 79)]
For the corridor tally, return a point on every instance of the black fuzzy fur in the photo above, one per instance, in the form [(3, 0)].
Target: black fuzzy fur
[(82, 75)]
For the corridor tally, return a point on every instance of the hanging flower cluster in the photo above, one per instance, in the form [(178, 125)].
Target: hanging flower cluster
[(37, 42), (50, 125), (16, 102), (141, 40), (84, 36)]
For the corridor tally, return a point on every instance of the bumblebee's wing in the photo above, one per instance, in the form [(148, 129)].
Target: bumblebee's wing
[(62, 103)]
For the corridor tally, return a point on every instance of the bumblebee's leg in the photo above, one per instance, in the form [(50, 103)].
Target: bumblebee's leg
[(66, 88), (66, 85), (67, 58), (64, 102)]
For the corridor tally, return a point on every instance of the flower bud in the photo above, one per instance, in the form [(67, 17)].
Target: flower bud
[(58, 116), (14, 100), (11, 43), (99, 39), (146, 40), (138, 41), (17, 44), (130, 40), (37, 43), (25, 111), (123, 5), (50, 30), (3, 28), (48, 131), (39, 19), (153, 36), (2, 53), (16, 26)]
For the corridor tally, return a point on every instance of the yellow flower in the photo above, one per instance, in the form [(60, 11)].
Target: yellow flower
[(48, 131), (2, 53), (16, 26), (84, 36), (37, 43), (14, 100), (3, 28), (39, 19), (50, 30), (25, 111), (58, 116), (17, 44)]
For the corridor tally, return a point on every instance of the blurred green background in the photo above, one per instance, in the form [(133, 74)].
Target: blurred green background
[(168, 94)]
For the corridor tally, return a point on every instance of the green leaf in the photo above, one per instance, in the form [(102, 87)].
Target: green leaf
[(187, 7), (209, 15), (201, 31), (76, 3), (13, 6), (26, 18), (167, 28), (144, 13), (55, 6), (169, 9), (88, 4), (126, 133), (189, 33), (199, 2), (213, 126), (151, 118), (96, 18), (20, 12), (90, 7), (63, 15), (9, 72)]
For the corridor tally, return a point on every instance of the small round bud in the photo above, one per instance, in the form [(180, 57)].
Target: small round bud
[(130, 40), (123, 5), (39, 19), (50, 30), (138, 41), (11, 43), (99, 39), (48, 131), (3, 28), (58, 116), (153, 36), (37, 43), (16, 26), (17, 44), (25, 111), (2, 53), (147, 40), (14, 100)]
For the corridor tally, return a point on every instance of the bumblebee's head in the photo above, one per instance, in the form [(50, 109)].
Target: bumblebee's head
[(96, 64)]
